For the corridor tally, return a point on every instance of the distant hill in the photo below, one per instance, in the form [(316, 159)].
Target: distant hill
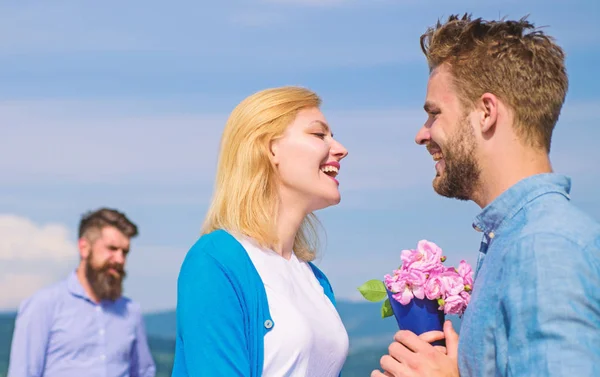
[(363, 322), (369, 335), (162, 348), (6, 329)]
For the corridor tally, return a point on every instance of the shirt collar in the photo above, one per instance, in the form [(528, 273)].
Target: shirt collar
[(516, 197), (76, 288)]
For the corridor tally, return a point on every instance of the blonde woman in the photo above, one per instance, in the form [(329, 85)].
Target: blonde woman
[(249, 301)]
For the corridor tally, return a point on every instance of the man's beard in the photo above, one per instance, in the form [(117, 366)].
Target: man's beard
[(461, 174), (103, 283)]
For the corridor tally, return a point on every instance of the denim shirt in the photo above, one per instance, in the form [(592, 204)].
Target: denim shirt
[(535, 306)]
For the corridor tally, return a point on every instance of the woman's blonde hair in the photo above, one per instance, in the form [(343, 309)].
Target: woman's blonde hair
[(246, 198)]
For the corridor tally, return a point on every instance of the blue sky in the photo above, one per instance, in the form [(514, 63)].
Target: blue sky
[(122, 104)]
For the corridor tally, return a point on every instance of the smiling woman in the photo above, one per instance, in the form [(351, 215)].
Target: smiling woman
[(250, 302)]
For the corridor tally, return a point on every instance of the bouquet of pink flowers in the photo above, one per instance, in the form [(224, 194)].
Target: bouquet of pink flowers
[(423, 277)]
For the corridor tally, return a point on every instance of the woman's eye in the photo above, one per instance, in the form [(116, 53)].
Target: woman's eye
[(320, 135)]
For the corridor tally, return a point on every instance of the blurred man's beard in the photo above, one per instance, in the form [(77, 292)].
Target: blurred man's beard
[(103, 283), (462, 172)]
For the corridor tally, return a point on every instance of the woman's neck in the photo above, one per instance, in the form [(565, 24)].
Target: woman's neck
[(289, 220)]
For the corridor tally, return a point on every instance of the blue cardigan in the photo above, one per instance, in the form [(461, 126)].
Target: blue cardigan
[(222, 310)]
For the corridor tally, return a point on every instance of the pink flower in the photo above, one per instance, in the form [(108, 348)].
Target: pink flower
[(393, 282), (417, 279), (433, 287), (454, 305), (466, 296), (423, 276), (404, 296), (465, 271), (409, 257), (400, 287), (427, 257), (405, 285), (452, 282)]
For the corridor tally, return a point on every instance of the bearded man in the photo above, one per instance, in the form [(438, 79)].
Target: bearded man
[(83, 326), (494, 95)]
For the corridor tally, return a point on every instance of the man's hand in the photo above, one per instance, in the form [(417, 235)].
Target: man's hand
[(411, 355)]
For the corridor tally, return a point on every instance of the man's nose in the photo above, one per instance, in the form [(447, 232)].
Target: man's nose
[(119, 257), (423, 135)]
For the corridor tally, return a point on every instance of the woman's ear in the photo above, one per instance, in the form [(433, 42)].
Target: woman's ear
[(273, 152)]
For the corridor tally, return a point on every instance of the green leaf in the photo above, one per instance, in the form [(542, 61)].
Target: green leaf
[(386, 309), (373, 290)]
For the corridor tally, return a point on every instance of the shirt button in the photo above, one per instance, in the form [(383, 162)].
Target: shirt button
[(102, 357), (268, 324), (98, 309), (101, 332)]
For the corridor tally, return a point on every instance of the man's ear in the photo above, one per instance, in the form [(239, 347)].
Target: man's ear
[(84, 247), (488, 106)]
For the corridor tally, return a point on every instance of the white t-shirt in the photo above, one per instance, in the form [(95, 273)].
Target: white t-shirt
[(308, 338)]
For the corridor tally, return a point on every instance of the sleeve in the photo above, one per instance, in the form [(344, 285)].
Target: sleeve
[(142, 364), (210, 320), (30, 337), (551, 308)]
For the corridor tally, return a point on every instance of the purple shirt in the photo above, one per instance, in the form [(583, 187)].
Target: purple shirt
[(61, 332)]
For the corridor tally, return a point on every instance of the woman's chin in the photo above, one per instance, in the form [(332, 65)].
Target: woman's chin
[(327, 201)]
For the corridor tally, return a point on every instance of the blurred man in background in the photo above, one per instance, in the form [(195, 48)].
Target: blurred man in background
[(83, 326)]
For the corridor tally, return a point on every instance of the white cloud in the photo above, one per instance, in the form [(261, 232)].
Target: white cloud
[(16, 287), (21, 239), (31, 256)]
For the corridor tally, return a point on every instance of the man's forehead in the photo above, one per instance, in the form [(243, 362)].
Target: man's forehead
[(113, 235), (440, 78), (440, 88)]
